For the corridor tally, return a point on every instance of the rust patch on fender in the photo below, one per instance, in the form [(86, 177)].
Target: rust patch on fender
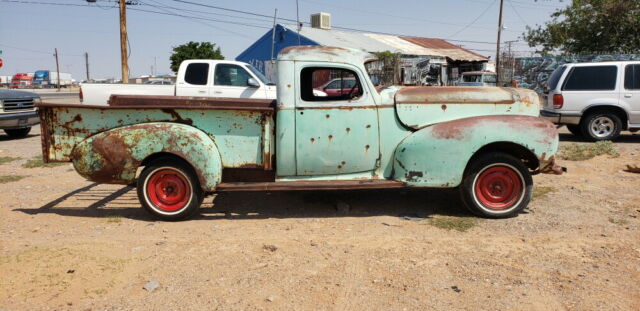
[(177, 118)]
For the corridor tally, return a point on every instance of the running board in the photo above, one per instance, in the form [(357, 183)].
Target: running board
[(310, 185)]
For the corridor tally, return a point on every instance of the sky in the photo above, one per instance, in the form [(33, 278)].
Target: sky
[(31, 29)]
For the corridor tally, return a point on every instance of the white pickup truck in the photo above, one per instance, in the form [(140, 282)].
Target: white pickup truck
[(199, 78)]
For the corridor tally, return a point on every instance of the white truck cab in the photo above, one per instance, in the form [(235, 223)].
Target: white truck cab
[(595, 100)]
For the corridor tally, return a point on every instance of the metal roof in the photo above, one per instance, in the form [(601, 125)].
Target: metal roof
[(373, 42)]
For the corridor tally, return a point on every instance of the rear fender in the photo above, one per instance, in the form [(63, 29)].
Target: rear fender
[(436, 156), (114, 156)]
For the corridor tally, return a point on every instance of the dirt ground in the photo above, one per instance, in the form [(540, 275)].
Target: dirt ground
[(69, 244)]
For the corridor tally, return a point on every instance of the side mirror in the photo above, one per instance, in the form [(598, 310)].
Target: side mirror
[(253, 83)]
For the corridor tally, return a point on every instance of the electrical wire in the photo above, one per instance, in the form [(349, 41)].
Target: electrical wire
[(475, 20)]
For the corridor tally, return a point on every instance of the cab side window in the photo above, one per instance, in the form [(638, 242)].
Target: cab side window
[(197, 74), (591, 78), (329, 84), (632, 77), (231, 75)]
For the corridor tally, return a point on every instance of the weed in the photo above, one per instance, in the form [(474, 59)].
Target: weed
[(37, 162), (540, 192), (581, 152), (10, 178), (4, 160), (114, 219), (618, 221), (461, 224)]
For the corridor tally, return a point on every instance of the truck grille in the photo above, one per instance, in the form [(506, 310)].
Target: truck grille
[(17, 104)]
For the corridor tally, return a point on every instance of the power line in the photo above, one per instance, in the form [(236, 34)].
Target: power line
[(37, 51), (475, 20), (516, 11)]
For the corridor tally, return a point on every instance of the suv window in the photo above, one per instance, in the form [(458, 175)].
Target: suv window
[(555, 77), (231, 75), (329, 84), (197, 73), (632, 77), (593, 78)]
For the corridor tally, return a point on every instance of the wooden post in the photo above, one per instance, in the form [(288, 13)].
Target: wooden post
[(498, 45), (124, 54), (57, 68)]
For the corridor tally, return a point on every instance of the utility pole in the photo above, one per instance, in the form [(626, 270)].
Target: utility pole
[(273, 35), (86, 62), (124, 54), (57, 66), (498, 43)]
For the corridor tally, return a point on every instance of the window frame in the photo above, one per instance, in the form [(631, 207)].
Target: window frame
[(249, 73), (635, 67), (573, 69), (329, 101), (208, 72)]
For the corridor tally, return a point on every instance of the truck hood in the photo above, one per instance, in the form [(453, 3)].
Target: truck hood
[(418, 107), (11, 94)]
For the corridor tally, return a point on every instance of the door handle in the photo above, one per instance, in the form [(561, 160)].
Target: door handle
[(217, 92), (628, 95), (202, 92)]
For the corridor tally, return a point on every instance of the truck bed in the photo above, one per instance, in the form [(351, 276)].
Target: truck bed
[(99, 93), (240, 128)]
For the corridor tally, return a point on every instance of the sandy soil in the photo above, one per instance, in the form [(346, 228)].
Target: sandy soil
[(69, 244)]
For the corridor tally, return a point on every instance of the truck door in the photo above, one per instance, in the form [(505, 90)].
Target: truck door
[(337, 133), (231, 80), (194, 80), (630, 96)]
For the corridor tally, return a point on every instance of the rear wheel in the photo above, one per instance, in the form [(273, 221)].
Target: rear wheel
[(575, 130), (601, 126), (169, 189), (18, 133), (496, 185)]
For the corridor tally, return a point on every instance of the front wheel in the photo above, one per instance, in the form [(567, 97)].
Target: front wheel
[(496, 185), (169, 189)]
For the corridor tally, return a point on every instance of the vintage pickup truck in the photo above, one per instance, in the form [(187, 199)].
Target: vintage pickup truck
[(486, 141)]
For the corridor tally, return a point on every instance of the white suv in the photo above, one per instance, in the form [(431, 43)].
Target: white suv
[(595, 100)]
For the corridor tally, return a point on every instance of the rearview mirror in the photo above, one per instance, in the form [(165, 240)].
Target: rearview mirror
[(253, 83)]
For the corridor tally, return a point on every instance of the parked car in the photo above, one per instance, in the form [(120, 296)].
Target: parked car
[(477, 78), (339, 87), (201, 78), (487, 142), (159, 82), (18, 112), (595, 100)]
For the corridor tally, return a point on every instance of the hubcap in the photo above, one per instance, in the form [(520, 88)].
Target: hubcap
[(499, 187), (169, 190), (601, 127)]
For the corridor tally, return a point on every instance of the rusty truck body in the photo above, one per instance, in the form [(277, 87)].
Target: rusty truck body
[(488, 142)]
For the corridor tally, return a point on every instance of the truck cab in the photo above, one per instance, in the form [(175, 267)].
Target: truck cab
[(478, 78)]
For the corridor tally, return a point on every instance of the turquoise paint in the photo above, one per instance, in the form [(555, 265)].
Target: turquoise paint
[(433, 157)]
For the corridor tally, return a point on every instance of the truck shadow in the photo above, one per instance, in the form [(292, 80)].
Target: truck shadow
[(5, 137), (96, 202), (625, 138)]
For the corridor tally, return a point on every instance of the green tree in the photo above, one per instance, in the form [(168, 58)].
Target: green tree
[(194, 50), (589, 26)]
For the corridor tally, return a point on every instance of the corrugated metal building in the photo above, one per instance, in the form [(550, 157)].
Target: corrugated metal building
[(421, 61)]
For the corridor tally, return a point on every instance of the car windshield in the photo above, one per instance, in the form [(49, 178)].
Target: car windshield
[(260, 76)]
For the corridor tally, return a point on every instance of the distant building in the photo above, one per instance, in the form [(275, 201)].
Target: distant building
[(420, 61)]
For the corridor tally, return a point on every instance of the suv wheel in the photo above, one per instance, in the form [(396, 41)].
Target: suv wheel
[(18, 133), (601, 126)]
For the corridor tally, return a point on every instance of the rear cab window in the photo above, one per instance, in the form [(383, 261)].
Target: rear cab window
[(555, 77), (197, 74), (329, 84), (632, 77), (591, 78)]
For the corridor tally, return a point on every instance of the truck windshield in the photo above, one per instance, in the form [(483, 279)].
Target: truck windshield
[(260, 76), (471, 78)]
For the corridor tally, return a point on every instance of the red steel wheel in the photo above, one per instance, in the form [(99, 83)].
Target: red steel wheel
[(496, 185), (169, 190), (499, 187)]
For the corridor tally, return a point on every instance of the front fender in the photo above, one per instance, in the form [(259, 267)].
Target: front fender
[(114, 156), (436, 156)]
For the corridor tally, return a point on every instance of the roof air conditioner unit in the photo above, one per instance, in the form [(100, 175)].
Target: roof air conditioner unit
[(321, 20)]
